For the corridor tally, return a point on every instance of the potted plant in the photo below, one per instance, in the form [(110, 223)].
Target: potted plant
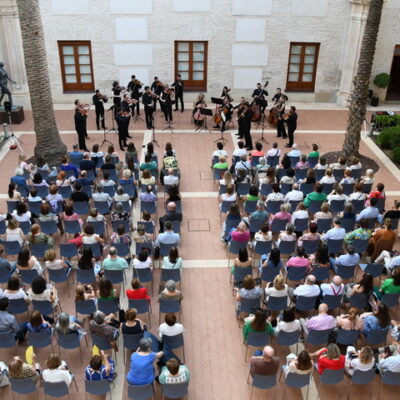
[(382, 81)]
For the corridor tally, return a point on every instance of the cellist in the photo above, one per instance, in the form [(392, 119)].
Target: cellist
[(259, 93), (198, 117), (225, 109)]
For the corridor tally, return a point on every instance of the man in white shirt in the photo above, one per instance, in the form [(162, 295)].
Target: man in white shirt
[(335, 288), (241, 151), (295, 152), (220, 152), (309, 289), (274, 151), (168, 236), (101, 196), (295, 194), (337, 232), (170, 327), (171, 179)]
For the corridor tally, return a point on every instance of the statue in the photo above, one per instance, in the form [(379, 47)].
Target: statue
[(4, 78)]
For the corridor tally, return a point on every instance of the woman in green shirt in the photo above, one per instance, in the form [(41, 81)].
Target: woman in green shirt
[(36, 236), (389, 285), (258, 324), (221, 164), (314, 152)]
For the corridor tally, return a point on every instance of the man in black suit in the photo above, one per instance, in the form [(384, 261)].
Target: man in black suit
[(80, 127), (98, 100), (291, 122), (246, 125), (135, 86), (260, 94), (122, 123), (148, 102), (178, 85), (156, 87)]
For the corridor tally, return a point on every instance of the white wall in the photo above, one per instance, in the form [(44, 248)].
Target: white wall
[(70, 6), (131, 29)]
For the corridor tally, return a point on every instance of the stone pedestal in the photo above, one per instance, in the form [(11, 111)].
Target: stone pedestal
[(352, 46)]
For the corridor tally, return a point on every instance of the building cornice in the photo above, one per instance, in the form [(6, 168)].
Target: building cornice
[(8, 8)]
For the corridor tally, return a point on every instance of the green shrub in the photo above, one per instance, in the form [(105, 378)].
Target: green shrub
[(396, 155), (388, 120), (382, 80), (389, 138)]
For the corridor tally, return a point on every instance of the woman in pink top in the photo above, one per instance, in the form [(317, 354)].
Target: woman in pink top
[(70, 215), (284, 214), (258, 152), (299, 260), (241, 234)]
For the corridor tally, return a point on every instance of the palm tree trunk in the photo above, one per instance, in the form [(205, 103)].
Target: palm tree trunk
[(359, 96), (48, 140)]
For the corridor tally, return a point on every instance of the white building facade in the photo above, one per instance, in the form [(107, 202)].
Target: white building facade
[(308, 47)]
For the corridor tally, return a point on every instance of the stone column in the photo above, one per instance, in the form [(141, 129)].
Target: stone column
[(352, 45), (14, 62)]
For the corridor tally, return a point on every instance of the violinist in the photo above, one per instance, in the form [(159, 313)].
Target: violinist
[(157, 87), (259, 93), (279, 111), (178, 85), (167, 99), (239, 109), (198, 118), (116, 89), (225, 94), (135, 86), (225, 109), (149, 106), (245, 125), (123, 127), (126, 107), (81, 107), (80, 127), (98, 100), (291, 121)]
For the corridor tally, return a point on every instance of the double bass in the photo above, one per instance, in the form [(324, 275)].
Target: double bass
[(256, 108)]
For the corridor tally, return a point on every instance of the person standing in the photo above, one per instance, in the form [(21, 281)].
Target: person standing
[(4, 78), (280, 111), (116, 89), (246, 125), (157, 88), (123, 123), (149, 106), (178, 85), (80, 127), (291, 122), (166, 99), (98, 100), (135, 86)]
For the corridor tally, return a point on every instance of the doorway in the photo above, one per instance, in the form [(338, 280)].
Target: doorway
[(393, 91)]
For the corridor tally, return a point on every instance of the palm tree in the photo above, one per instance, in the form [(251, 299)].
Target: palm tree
[(359, 97), (48, 140)]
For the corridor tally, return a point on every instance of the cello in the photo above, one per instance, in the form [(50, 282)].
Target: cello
[(256, 108)]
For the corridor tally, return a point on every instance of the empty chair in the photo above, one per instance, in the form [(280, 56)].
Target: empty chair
[(293, 205), (266, 189), (98, 388), (327, 188), (65, 191), (337, 206), (59, 275), (123, 249), (109, 189), (250, 206), (286, 188), (243, 189), (360, 245), (390, 299), (25, 226), (42, 191), (306, 188), (81, 207), (12, 205), (141, 392), (318, 337), (175, 390), (98, 227), (374, 269), (358, 205), (3, 227), (347, 337), (274, 206)]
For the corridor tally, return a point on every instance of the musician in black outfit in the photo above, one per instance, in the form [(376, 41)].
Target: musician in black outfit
[(148, 102), (280, 111), (166, 99), (260, 94), (277, 95), (247, 126), (123, 127), (126, 107), (291, 122), (225, 94), (156, 87), (80, 127), (98, 100), (178, 85), (135, 86)]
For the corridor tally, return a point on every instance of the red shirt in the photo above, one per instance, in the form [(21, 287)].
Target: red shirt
[(327, 363), (137, 294)]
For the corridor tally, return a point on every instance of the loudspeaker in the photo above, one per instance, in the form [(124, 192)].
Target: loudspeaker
[(375, 101), (370, 93), (7, 106)]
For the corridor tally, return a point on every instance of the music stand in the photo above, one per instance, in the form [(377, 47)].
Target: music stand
[(205, 112), (153, 133), (217, 100), (17, 141), (105, 132)]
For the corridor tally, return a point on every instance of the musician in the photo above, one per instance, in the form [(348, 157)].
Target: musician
[(157, 88), (135, 87), (80, 127), (227, 110), (116, 89), (239, 109), (291, 121), (80, 106), (277, 95), (122, 119), (260, 93), (126, 106), (149, 106), (225, 93), (197, 106), (167, 100), (98, 100), (279, 110), (246, 125), (178, 85)]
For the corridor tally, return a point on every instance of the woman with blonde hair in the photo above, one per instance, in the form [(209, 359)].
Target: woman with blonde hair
[(20, 370), (329, 358), (324, 213), (328, 177), (362, 360), (147, 178), (277, 288), (350, 321), (227, 179), (14, 232), (56, 371), (283, 214)]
